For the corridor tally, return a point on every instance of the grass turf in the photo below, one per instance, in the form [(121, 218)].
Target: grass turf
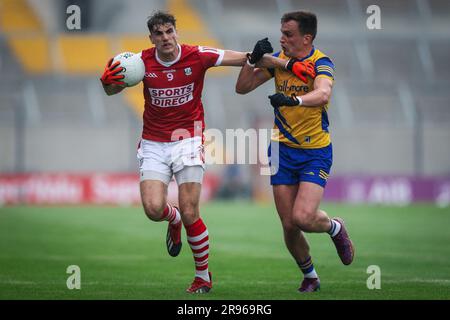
[(122, 255)]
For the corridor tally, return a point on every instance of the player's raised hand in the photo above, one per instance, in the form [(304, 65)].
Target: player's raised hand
[(279, 99), (261, 47), (302, 69), (110, 74)]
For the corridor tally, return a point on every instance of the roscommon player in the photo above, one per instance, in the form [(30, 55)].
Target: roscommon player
[(304, 154)]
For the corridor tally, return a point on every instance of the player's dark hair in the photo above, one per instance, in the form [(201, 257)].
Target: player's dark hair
[(160, 18), (307, 21)]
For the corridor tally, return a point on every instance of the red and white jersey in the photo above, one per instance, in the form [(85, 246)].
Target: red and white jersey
[(172, 92)]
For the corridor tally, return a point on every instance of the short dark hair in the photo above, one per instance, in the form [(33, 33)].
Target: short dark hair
[(307, 21), (160, 18)]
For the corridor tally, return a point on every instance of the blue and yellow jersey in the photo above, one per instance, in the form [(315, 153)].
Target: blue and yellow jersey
[(302, 127)]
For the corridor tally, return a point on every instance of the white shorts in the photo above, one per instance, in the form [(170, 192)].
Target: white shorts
[(161, 160)]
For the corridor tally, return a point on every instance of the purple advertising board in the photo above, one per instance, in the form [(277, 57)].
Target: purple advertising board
[(392, 190)]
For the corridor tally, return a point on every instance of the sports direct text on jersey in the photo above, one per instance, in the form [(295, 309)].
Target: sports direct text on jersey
[(172, 97)]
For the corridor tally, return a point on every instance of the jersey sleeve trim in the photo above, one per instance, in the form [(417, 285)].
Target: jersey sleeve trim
[(325, 76), (324, 66), (220, 58)]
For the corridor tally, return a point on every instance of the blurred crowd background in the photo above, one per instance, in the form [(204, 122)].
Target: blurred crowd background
[(62, 137)]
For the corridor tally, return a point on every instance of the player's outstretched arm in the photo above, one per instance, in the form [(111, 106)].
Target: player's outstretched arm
[(236, 58), (301, 69), (261, 48), (233, 58), (269, 61), (110, 78), (251, 78)]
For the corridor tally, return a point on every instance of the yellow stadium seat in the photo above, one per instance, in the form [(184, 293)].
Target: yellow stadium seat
[(134, 43), (18, 16), (83, 54), (32, 52)]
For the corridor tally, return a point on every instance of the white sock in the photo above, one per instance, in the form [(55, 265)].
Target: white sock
[(177, 217), (335, 228), (202, 274), (311, 274)]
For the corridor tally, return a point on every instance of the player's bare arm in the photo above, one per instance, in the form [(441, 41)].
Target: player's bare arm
[(250, 78), (269, 61), (238, 59), (233, 58), (317, 98), (320, 95)]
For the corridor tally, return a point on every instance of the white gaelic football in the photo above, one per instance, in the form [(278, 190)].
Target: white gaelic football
[(133, 67)]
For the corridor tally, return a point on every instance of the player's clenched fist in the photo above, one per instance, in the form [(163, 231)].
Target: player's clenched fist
[(279, 99), (261, 47), (302, 69), (110, 75)]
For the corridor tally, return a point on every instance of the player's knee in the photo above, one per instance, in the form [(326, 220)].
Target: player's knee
[(153, 209), (304, 219), (189, 214), (289, 226)]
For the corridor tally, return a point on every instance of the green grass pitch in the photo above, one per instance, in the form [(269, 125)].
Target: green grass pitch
[(122, 254)]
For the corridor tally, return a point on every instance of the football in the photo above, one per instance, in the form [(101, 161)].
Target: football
[(133, 67)]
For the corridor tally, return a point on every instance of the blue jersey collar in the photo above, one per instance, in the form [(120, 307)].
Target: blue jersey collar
[(309, 55)]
